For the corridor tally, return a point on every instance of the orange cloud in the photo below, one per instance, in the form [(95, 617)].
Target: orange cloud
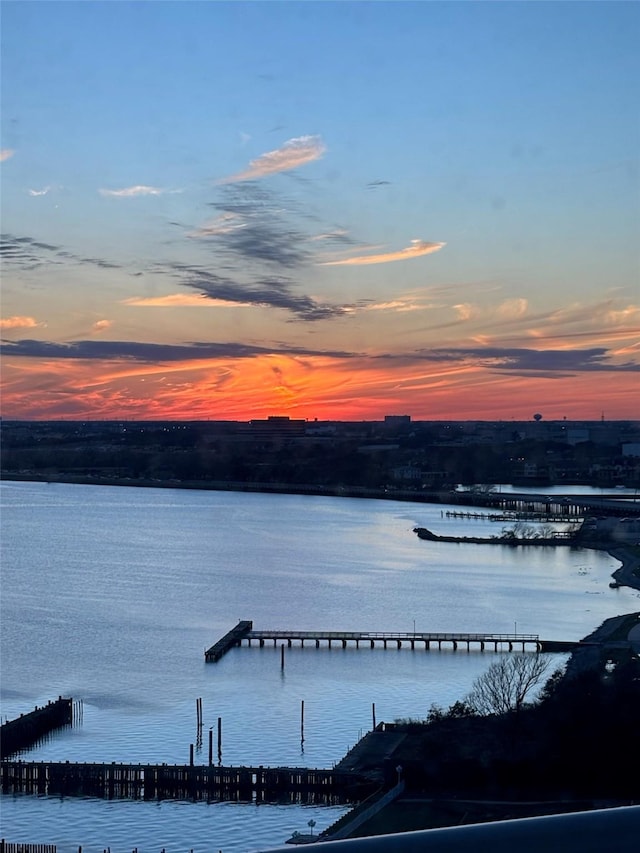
[(6, 154), (417, 250), (630, 314), (18, 323), (183, 300), (513, 309), (294, 153), (314, 386)]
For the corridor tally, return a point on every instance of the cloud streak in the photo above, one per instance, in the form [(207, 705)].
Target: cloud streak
[(6, 154), (293, 154), (183, 300), (138, 351), (416, 250), (28, 253), (526, 362), (556, 363), (132, 192), (264, 292)]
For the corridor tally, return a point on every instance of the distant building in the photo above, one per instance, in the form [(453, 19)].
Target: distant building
[(397, 420), (406, 472), (277, 428)]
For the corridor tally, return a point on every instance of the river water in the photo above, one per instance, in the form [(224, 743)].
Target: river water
[(111, 595)]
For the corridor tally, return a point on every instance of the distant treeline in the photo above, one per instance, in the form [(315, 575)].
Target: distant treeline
[(406, 456)]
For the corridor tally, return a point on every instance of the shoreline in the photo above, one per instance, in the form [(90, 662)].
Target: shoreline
[(628, 574)]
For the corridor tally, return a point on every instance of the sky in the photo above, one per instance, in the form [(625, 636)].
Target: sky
[(331, 210)]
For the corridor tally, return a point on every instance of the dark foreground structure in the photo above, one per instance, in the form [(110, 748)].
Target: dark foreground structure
[(23, 732), (614, 830)]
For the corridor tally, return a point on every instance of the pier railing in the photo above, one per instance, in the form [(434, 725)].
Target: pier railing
[(269, 634), (395, 639)]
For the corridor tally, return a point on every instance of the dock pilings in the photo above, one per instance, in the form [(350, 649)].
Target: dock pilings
[(28, 729)]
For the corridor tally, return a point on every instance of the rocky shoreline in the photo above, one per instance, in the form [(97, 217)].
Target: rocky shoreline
[(628, 574)]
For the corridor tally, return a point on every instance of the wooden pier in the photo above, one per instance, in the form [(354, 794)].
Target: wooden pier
[(538, 517), (230, 639), (28, 729), (370, 639), (184, 782)]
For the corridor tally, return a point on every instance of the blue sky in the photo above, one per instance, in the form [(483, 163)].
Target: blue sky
[(320, 209)]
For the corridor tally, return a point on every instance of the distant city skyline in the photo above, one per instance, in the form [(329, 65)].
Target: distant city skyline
[(342, 211)]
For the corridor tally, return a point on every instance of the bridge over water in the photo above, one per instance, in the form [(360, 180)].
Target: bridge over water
[(572, 506)]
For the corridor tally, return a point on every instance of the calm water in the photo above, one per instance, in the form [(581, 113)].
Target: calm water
[(111, 595)]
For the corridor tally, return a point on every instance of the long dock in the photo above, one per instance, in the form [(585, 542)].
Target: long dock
[(184, 781), (244, 633)]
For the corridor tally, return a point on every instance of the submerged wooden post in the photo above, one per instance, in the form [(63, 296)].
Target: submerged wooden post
[(219, 740), (302, 721), (373, 713), (191, 754), (282, 656), (210, 746)]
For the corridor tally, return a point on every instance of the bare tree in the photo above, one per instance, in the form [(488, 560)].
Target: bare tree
[(506, 684)]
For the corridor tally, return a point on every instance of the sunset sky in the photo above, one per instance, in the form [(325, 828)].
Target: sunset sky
[(331, 210)]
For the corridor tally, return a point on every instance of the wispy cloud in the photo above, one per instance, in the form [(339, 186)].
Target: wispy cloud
[(132, 192), (184, 300), (6, 154), (341, 235), (43, 191), (398, 305), (466, 311), (515, 361), (548, 363), (294, 153), (224, 224), (28, 253), (513, 309), (416, 250), (264, 292), (629, 314), (101, 326), (140, 351), (18, 323), (257, 225)]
